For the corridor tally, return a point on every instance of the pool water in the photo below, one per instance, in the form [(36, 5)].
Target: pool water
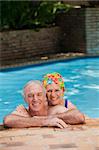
[(81, 80)]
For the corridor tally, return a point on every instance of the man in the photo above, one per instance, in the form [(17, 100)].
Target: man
[(37, 113)]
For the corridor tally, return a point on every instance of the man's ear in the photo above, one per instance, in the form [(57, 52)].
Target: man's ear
[(25, 98), (23, 95)]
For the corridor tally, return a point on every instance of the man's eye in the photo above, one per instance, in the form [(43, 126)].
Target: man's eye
[(30, 95), (49, 91)]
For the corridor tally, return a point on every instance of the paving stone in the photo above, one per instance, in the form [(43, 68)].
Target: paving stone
[(48, 136), (57, 146), (96, 139), (81, 137)]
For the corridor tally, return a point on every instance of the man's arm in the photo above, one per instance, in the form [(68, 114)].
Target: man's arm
[(72, 116), (17, 121)]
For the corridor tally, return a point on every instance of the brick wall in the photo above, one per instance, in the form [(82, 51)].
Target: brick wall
[(80, 30), (73, 30), (25, 45)]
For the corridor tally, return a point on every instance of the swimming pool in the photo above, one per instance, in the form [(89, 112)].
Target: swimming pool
[(81, 80)]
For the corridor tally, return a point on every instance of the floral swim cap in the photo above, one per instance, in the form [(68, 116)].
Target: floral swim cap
[(54, 77)]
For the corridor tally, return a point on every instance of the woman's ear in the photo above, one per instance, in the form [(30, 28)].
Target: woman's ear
[(62, 92)]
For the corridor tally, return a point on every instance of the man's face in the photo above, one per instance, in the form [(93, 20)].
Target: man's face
[(35, 96), (54, 94)]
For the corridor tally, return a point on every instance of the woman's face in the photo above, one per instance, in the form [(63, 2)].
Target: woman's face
[(54, 94)]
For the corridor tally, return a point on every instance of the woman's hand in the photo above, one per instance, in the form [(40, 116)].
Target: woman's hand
[(21, 111)]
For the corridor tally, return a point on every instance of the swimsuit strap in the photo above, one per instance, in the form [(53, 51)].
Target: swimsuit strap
[(66, 103)]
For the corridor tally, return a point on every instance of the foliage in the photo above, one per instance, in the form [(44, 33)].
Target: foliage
[(29, 14), (47, 11), (16, 15)]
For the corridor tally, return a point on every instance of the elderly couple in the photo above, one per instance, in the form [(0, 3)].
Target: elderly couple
[(46, 106)]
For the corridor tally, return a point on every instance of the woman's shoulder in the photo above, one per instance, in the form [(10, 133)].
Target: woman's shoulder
[(69, 104)]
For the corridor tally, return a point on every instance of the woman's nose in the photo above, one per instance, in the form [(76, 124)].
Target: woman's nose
[(53, 93)]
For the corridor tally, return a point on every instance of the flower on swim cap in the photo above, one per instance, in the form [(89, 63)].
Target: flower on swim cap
[(54, 77), (49, 81)]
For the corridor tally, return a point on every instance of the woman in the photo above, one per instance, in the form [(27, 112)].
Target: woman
[(55, 88)]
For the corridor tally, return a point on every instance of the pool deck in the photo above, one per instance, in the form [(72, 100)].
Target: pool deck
[(75, 137)]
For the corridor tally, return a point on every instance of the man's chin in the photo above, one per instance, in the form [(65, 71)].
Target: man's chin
[(36, 108)]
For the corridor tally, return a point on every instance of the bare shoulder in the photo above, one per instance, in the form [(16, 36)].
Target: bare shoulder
[(71, 105)]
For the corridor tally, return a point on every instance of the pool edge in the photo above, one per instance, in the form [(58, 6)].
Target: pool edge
[(45, 61)]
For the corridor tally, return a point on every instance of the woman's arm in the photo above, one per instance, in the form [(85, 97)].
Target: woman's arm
[(69, 116), (72, 116)]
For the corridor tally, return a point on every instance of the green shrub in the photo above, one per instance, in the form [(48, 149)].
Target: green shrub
[(29, 14)]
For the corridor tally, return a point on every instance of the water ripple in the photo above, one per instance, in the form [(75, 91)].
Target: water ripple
[(92, 86), (91, 73)]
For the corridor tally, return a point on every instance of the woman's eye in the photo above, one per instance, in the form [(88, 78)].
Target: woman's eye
[(56, 90)]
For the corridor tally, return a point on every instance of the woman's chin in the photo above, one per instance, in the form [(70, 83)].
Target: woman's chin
[(55, 103)]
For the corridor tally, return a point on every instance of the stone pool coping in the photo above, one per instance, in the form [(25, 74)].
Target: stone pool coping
[(49, 58), (75, 137)]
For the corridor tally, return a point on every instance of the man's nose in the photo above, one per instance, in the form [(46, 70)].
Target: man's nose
[(35, 98)]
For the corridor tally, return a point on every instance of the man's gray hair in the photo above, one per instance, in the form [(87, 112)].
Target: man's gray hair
[(33, 82)]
